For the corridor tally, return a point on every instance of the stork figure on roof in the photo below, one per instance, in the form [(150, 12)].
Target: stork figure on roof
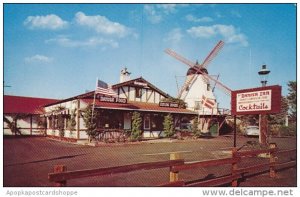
[(197, 90)]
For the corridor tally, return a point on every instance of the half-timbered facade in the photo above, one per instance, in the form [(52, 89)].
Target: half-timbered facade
[(116, 112)]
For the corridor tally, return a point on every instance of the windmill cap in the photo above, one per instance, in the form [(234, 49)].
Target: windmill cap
[(193, 70)]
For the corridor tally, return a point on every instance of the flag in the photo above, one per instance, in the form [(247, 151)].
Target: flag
[(209, 103), (105, 89)]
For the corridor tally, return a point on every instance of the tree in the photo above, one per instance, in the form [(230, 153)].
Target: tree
[(90, 122), (281, 116), (168, 126), (292, 101), (136, 131), (276, 121)]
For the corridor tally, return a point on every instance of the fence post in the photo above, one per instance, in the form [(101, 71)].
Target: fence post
[(234, 182), (272, 160), (174, 175), (57, 169)]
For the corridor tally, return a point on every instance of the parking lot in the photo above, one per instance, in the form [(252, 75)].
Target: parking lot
[(28, 160)]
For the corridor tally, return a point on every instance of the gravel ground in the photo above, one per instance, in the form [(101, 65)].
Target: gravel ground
[(28, 160)]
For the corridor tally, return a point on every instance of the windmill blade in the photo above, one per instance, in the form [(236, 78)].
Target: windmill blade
[(212, 54), (218, 84), (186, 84), (179, 57), (206, 76)]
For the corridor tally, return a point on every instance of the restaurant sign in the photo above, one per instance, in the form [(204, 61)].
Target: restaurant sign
[(169, 104), (112, 99), (263, 100)]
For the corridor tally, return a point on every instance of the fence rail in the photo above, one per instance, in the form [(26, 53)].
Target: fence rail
[(60, 176)]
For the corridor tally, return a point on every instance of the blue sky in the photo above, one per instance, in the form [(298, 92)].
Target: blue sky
[(58, 50)]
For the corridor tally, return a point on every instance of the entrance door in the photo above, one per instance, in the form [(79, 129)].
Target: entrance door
[(147, 122)]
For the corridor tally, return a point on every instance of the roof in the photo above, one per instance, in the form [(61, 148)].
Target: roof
[(140, 79), (138, 106), (91, 93), (24, 105)]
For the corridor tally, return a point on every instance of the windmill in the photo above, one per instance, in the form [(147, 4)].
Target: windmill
[(197, 84)]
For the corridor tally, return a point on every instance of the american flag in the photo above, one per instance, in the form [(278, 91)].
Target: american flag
[(104, 88), (209, 103)]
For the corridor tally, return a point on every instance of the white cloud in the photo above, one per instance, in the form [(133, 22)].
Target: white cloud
[(192, 18), (52, 22), (174, 36), (152, 14), (156, 12), (228, 32), (102, 25), (202, 31), (167, 8), (38, 59), (91, 42)]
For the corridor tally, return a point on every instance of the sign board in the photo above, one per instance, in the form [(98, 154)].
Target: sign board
[(169, 104), (140, 83), (263, 100), (112, 99)]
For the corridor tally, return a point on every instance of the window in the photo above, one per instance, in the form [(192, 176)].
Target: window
[(157, 122), (138, 92), (197, 105), (208, 87)]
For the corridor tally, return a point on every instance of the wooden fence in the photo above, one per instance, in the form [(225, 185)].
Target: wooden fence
[(60, 176)]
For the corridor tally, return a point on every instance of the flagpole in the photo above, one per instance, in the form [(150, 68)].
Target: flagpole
[(94, 100)]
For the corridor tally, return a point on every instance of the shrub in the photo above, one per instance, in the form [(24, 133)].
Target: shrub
[(90, 121), (136, 131), (168, 126)]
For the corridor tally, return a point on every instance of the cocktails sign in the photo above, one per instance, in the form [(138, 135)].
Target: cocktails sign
[(263, 100)]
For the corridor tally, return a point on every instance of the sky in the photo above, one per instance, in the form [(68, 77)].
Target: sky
[(59, 50)]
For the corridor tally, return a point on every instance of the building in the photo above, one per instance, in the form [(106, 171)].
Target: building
[(198, 93), (116, 111), (25, 114)]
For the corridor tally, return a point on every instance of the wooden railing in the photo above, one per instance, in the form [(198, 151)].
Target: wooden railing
[(60, 176)]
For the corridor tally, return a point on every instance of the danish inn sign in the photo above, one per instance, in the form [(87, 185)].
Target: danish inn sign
[(263, 100)]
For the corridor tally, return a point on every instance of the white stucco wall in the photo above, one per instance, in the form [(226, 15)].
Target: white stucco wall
[(23, 125), (195, 93)]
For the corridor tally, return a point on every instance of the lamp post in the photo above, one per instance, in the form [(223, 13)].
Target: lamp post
[(263, 122), (263, 73)]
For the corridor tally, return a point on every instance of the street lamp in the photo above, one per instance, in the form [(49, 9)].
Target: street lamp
[(263, 122), (263, 73)]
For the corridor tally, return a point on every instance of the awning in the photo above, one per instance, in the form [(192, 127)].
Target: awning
[(138, 106)]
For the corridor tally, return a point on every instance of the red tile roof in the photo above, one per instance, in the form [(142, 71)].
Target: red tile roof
[(138, 106), (25, 105)]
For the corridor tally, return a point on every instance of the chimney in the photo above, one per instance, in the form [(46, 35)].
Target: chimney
[(125, 75)]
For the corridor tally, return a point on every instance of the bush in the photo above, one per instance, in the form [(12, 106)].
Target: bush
[(136, 132), (284, 130), (168, 126), (90, 122), (293, 129)]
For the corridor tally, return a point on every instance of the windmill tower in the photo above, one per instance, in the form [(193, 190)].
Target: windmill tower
[(197, 91)]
